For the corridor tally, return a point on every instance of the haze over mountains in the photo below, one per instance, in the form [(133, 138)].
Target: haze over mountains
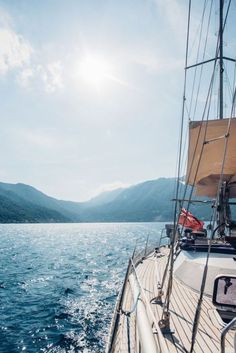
[(145, 202)]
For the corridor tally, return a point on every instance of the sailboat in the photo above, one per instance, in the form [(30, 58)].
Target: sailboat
[(180, 295)]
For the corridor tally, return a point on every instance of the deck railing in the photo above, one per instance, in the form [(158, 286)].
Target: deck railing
[(161, 342), (225, 330), (149, 246), (115, 320), (137, 257)]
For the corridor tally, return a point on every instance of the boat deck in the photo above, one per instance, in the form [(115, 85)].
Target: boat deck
[(182, 309)]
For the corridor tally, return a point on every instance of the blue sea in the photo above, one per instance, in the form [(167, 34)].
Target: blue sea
[(59, 283)]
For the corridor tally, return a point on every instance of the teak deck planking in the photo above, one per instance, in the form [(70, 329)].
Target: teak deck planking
[(182, 310)]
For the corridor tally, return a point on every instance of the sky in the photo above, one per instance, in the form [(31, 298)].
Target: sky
[(90, 93)]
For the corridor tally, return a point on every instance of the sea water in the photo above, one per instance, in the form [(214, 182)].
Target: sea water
[(59, 283)]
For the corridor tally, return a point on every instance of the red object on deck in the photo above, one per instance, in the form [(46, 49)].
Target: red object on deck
[(188, 220)]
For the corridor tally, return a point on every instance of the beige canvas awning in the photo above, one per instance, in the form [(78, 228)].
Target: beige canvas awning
[(206, 154)]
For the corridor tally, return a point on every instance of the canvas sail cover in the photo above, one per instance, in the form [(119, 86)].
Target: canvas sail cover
[(206, 155)]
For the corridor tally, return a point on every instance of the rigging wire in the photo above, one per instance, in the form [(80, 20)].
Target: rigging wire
[(203, 58), (198, 89), (198, 53), (205, 271), (171, 256), (189, 111), (205, 114), (208, 101), (230, 89), (199, 83), (207, 104), (234, 84), (203, 283), (206, 109), (170, 261)]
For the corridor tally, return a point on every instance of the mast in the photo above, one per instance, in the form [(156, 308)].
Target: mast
[(221, 64)]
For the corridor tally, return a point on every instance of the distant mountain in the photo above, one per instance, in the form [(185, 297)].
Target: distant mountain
[(145, 202), (31, 197), (104, 198), (14, 209)]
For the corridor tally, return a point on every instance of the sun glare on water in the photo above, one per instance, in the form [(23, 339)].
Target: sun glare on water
[(95, 71)]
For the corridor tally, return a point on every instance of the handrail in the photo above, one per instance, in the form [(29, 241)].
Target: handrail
[(224, 332), (118, 310), (115, 319), (161, 340)]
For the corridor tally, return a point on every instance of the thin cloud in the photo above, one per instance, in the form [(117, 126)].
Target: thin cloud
[(15, 51), (174, 12), (17, 54), (5, 19), (46, 76), (51, 76), (25, 77)]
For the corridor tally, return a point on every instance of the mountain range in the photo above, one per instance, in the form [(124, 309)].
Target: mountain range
[(144, 202)]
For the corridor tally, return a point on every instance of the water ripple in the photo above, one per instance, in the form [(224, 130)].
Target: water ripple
[(59, 283)]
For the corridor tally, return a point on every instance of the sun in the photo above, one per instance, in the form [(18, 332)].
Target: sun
[(95, 71)]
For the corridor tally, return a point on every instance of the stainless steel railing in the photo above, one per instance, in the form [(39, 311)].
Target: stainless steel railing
[(225, 330)]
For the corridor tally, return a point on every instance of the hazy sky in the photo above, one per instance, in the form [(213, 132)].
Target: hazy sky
[(90, 92)]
